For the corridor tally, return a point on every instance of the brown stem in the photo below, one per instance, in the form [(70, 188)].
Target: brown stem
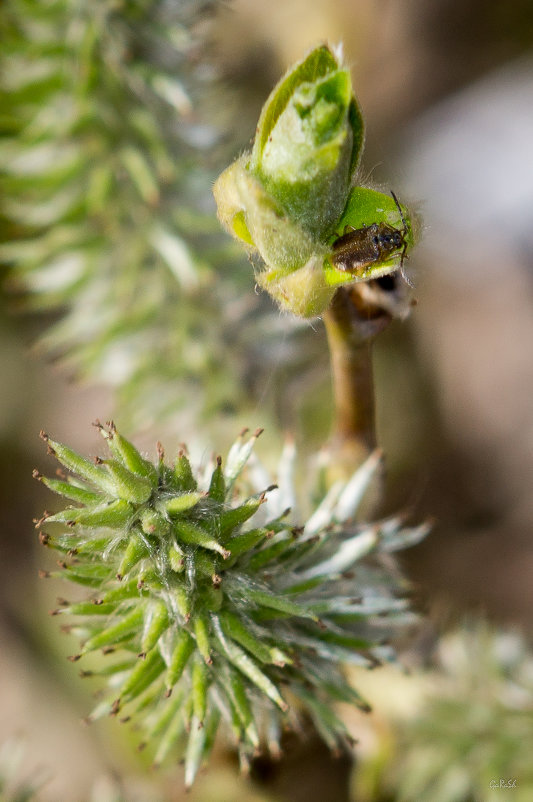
[(352, 321)]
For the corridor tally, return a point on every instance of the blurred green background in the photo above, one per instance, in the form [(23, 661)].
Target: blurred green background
[(447, 92)]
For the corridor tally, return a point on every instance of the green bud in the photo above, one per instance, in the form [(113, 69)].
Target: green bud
[(290, 198), (308, 141)]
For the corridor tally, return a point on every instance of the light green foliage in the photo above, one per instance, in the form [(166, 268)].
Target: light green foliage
[(221, 610), (476, 727), (290, 198), (105, 198)]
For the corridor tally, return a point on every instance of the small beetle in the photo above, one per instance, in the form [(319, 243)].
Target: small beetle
[(362, 247)]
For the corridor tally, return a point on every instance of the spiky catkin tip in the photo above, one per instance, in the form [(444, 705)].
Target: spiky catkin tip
[(214, 605)]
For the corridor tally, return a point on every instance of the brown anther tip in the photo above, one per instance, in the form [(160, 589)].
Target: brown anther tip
[(200, 725), (187, 618), (62, 564), (258, 432), (296, 531), (62, 602), (84, 674), (285, 512), (54, 612), (125, 719), (36, 474), (208, 661), (43, 574), (140, 584), (72, 552), (119, 577), (61, 473), (98, 602), (108, 650), (50, 451), (270, 488), (66, 628), (111, 425), (115, 707), (98, 460), (321, 624), (70, 523), (87, 721), (219, 461), (142, 655), (97, 425), (44, 539), (226, 554), (216, 580), (244, 431), (44, 436), (168, 693), (160, 451), (270, 534), (74, 658)]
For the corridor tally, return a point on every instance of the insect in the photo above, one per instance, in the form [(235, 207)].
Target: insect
[(361, 247)]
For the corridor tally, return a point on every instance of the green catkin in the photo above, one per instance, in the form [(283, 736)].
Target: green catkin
[(200, 687), (217, 486), (136, 550), (128, 454), (129, 486), (280, 604), (130, 623), (242, 708), (232, 519), (183, 474), (156, 622), (177, 505), (194, 535), (201, 632), (206, 619), (152, 522), (233, 628), (84, 468), (176, 558), (146, 671), (246, 541), (183, 649), (183, 601), (68, 490), (115, 515), (250, 669), (272, 552)]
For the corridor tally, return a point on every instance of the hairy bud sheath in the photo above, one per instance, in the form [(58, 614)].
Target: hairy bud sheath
[(211, 607)]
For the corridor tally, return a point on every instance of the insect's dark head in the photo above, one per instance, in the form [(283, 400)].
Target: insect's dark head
[(390, 239)]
